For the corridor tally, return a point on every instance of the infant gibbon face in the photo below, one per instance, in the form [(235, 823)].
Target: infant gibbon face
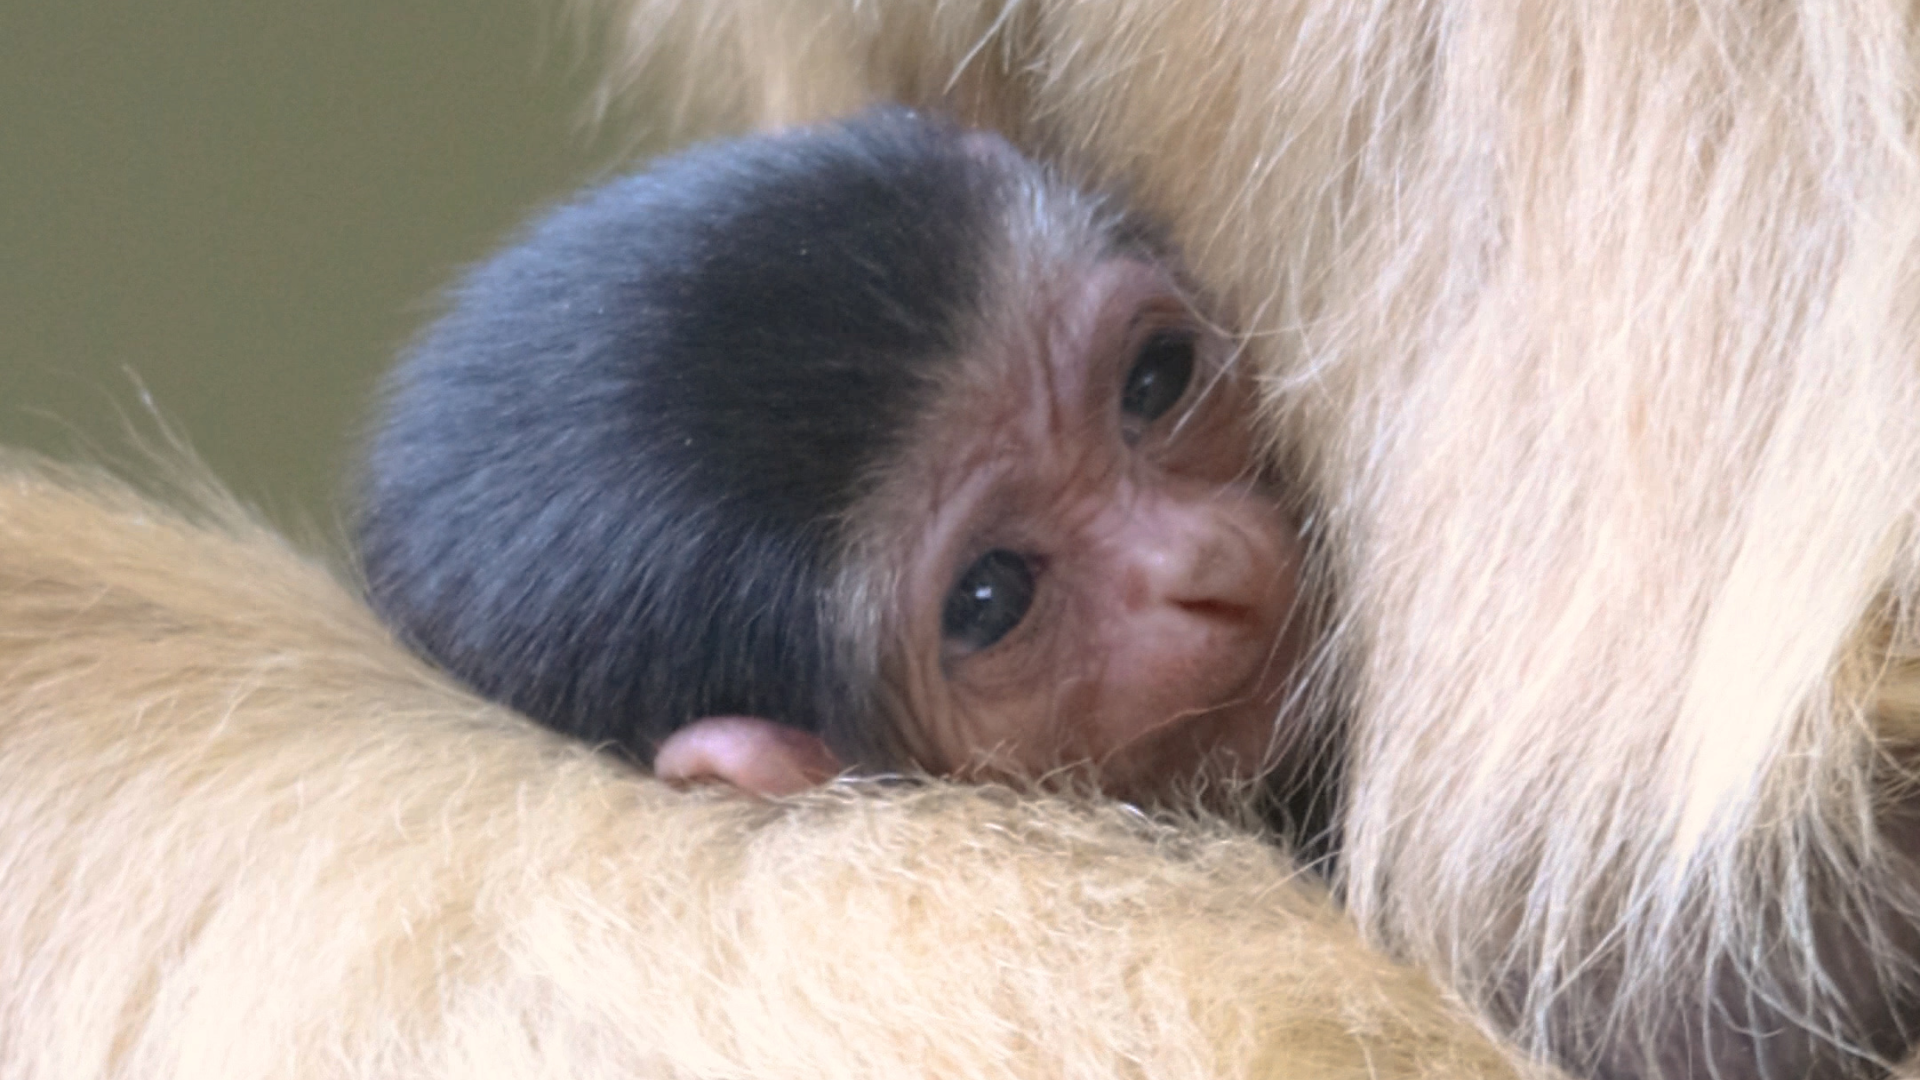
[(1099, 581), (1084, 576)]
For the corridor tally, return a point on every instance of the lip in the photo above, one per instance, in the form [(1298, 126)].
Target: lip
[(1242, 726)]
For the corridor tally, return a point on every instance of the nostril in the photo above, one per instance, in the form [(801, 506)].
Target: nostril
[(1218, 610)]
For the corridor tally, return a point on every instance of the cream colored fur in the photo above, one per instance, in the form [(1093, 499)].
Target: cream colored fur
[(1589, 334), (243, 835), (1590, 328)]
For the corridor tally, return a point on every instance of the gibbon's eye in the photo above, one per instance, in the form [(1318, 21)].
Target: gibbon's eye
[(989, 600), (1160, 374)]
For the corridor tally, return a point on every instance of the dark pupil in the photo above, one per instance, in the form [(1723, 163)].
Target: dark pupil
[(990, 599), (1159, 377)]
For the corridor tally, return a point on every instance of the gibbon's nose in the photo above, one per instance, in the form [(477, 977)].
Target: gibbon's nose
[(1215, 555)]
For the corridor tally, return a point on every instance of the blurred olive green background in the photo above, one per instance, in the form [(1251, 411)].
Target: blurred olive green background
[(245, 207)]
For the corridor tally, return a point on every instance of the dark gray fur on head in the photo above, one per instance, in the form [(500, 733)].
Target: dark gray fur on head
[(610, 482)]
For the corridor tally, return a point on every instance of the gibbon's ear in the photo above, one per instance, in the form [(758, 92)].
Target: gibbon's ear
[(748, 752)]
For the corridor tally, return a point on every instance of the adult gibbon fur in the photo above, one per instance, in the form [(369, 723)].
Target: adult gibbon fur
[(1589, 330), (244, 835)]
